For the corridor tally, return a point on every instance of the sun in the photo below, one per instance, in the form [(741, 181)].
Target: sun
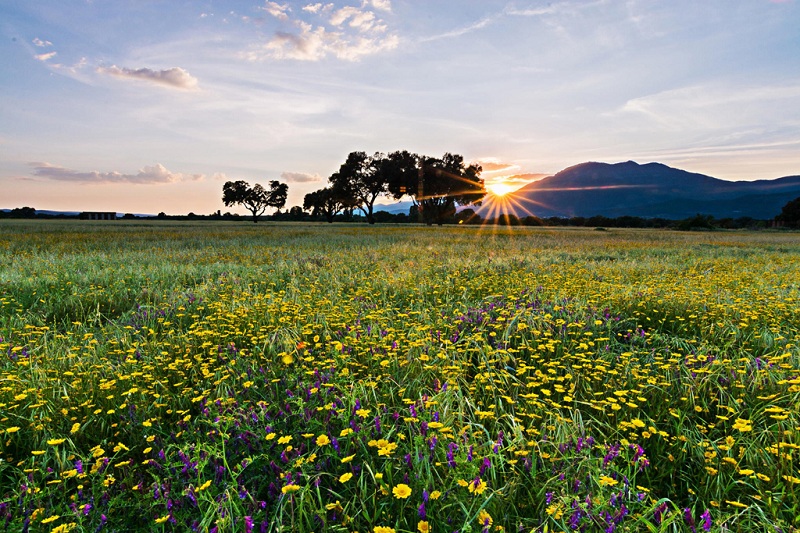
[(501, 188)]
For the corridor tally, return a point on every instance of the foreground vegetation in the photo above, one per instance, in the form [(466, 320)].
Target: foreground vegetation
[(277, 377)]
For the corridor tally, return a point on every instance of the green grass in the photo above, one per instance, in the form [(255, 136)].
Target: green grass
[(173, 376)]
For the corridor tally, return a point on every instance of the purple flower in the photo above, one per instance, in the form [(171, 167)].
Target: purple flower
[(687, 516), (706, 518), (248, 524)]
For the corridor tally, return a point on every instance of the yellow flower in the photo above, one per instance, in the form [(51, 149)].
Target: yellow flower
[(484, 518), (334, 506), (323, 440), (348, 458), (605, 480), (344, 478), (383, 529), (63, 528), (55, 442), (270, 436), (290, 488), (50, 519), (423, 527), (401, 491), (162, 519), (284, 439), (477, 488), (12, 429), (435, 495), (204, 486), (37, 452), (736, 504)]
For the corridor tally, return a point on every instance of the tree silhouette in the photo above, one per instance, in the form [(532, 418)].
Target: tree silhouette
[(437, 185), (327, 202), (361, 179), (256, 199), (790, 213)]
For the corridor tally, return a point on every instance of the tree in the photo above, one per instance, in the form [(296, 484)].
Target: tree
[(327, 202), (437, 185), (790, 214), (256, 199), (361, 179)]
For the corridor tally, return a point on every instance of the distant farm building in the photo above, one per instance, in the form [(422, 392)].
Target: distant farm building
[(97, 215)]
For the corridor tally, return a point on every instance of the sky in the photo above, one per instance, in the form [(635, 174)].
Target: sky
[(146, 106)]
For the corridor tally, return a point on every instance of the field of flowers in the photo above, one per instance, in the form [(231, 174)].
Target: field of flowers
[(240, 377)]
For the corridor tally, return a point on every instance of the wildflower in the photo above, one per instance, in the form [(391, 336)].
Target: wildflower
[(348, 458), (323, 440), (50, 519), (344, 478), (383, 529), (484, 519), (605, 480), (162, 519), (706, 518), (290, 488), (401, 491), (423, 527), (12, 429), (55, 442), (285, 439)]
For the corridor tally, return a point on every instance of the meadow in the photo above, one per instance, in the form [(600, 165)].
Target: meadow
[(167, 376)]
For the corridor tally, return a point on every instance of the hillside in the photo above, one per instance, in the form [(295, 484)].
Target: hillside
[(648, 190)]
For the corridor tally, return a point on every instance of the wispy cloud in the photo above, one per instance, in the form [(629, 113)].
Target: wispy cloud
[(321, 30), (45, 56), (156, 174), (458, 32), (493, 165), (41, 43), (715, 106), (300, 177), (174, 77)]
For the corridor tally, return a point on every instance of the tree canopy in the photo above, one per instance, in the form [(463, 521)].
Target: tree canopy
[(255, 199), (435, 185), (790, 213)]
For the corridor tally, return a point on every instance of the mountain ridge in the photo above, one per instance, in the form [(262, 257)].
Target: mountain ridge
[(652, 190)]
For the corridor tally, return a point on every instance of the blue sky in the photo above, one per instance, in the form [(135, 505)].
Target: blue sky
[(146, 106)]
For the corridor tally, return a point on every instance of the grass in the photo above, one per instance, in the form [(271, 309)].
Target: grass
[(278, 377)]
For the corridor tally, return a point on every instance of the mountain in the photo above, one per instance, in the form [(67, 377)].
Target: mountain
[(650, 190)]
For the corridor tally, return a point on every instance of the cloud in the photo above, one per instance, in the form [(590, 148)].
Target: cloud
[(173, 77), (494, 165), (464, 30), (348, 33), (40, 43), (383, 5), (300, 177), (45, 57), (277, 10), (156, 174)]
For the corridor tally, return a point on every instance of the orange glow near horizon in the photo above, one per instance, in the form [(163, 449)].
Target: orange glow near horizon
[(500, 188)]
